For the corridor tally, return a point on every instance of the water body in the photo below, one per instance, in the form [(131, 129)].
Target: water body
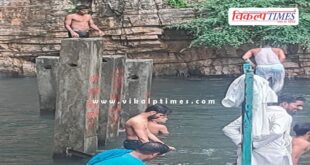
[(26, 138)]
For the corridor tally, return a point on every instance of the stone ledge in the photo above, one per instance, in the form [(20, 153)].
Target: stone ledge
[(290, 65)]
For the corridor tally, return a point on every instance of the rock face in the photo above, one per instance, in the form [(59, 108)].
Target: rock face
[(29, 29), (134, 28)]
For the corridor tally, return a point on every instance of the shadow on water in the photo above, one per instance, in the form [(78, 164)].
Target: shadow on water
[(27, 137)]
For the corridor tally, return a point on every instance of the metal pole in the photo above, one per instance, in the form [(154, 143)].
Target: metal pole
[(247, 115)]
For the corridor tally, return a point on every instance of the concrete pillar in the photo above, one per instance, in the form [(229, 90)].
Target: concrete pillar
[(112, 82), (138, 79), (76, 117), (47, 82)]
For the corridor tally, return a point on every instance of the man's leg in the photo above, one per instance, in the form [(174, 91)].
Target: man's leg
[(132, 144), (262, 72), (278, 78)]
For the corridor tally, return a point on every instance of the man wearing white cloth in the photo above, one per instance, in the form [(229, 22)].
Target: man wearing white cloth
[(269, 65), (263, 95), (273, 148)]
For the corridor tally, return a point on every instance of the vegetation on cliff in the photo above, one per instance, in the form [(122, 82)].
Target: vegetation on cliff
[(211, 27), (178, 3)]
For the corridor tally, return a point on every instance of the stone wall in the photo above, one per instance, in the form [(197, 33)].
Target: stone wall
[(135, 28), (29, 28)]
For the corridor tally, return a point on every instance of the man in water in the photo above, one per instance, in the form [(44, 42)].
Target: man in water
[(157, 127), (300, 101), (78, 24), (146, 152), (269, 65), (137, 132), (273, 148), (301, 142)]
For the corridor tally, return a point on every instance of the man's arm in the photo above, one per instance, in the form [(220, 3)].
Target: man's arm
[(153, 137), (246, 57), (68, 21), (92, 25), (163, 130), (233, 131), (248, 54), (281, 55), (279, 125), (141, 132)]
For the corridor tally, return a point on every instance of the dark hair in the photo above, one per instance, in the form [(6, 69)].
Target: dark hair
[(301, 128), (300, 98), (159, 108), (81, 7), (153, 147), (286, 98)]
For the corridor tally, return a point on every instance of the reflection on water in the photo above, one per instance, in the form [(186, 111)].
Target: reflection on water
[(26, 137)]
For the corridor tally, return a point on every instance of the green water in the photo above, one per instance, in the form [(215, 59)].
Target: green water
[(26, 137)]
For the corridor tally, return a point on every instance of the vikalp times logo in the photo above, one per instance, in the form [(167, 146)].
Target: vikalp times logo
[(263, 16)]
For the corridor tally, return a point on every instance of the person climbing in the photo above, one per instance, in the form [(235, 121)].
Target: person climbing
[(269, 65)]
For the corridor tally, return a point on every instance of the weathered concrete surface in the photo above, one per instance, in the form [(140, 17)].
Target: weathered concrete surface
[(46, 67), (76, 117), (112, 82), (138, 80)]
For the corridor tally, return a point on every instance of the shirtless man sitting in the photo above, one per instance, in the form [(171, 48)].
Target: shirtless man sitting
[(301, 142), (157, 127), (78, 24), (137, 131)]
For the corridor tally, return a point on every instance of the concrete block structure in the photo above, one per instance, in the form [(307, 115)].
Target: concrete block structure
[(138, 80), (46, 67), (112, 82), (76, 117)]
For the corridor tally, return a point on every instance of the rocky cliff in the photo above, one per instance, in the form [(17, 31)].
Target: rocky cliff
[(136, 28)]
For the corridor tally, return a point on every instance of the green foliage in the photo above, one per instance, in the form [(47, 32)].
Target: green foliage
[(211, 27), (178, 3), (70, 8)]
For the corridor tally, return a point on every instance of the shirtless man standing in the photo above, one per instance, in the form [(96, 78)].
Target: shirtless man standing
[(137, 127), (301, 142), (78, 24)]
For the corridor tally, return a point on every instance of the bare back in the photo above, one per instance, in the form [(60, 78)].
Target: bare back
[(266, 56), (300, 146), (136, 129), (79, 22)]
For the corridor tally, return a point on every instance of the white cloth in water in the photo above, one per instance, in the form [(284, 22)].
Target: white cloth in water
[(268, 149), (262, 93)]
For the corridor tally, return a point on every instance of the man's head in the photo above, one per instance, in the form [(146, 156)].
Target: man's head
[(157, 110), (151, 150), (289, 103), (302, 129), (300, 101), (82, 9), (161, 119)]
